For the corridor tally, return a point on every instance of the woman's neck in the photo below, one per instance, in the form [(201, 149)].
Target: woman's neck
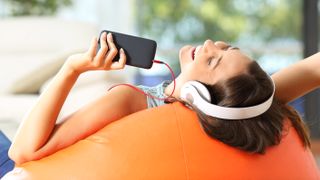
[(168, 90)]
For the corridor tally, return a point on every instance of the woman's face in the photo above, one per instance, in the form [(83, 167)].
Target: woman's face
[(211, 62)]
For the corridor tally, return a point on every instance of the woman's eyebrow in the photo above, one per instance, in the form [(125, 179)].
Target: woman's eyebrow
[(233, 48)]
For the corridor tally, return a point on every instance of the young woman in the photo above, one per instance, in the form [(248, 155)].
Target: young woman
[(233, 79)]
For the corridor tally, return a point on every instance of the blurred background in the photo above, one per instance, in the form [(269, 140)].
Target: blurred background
[(36, 36)]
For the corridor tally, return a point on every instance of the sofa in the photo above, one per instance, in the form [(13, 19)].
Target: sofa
[(168, 142), (32, 49)]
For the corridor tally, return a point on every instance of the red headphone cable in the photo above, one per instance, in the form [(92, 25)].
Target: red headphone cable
[(149, 95)]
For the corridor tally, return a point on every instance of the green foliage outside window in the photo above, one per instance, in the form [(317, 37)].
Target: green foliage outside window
[(36, 7), (185, 21)]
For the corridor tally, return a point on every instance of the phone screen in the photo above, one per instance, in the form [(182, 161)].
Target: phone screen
[(140, 52)]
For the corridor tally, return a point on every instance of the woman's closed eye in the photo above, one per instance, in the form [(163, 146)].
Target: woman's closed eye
[(214, 60), (221, 56), (210, 60)]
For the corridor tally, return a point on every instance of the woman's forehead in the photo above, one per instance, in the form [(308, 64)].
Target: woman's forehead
[(232, 63), (233, 56)]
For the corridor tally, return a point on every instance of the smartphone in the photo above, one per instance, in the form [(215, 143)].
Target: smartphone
[(140, 51)]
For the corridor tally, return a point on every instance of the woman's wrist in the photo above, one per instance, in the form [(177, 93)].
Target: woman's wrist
[(68, 71)]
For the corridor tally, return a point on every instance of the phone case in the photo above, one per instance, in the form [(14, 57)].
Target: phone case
[(140, 51)]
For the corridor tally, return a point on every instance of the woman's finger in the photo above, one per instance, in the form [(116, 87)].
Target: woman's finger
[(92, 51), (103, 49), (113, 51), (122, 61)]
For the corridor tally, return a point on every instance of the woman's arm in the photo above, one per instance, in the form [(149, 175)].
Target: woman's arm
[(39, 135), (298, 79)]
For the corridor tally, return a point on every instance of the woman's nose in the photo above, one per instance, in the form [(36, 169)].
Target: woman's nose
[(221, 45), (209, 44)]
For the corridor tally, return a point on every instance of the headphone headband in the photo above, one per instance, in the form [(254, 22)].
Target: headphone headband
[(190, 93)]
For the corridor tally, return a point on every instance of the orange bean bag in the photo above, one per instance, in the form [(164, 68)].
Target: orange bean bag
[(168, 143)]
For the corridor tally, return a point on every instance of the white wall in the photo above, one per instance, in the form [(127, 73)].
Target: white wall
[(116, 15)]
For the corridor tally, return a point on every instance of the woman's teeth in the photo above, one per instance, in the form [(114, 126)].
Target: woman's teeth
[(196, 51), (193, 53)]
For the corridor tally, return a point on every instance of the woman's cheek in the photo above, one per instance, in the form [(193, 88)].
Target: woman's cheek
[(187, 72)]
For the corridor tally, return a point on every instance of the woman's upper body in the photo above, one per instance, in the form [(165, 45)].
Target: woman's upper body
[(39, 135)]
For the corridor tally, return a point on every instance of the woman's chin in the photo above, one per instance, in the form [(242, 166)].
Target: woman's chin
[(185, 52)]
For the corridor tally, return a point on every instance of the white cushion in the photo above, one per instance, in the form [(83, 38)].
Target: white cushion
[(32, 49), (15, 107), (26, 74)]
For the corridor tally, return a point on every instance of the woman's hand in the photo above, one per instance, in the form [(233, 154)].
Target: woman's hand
[(101, 60)]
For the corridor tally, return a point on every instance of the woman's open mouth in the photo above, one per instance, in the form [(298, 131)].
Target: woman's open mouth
[(193, 50)]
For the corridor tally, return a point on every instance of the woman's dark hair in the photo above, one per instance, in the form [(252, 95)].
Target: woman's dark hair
[(255, 134)]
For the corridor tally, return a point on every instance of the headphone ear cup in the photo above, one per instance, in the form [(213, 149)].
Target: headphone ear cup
[(187, 92), (189, 89), (202, 90)]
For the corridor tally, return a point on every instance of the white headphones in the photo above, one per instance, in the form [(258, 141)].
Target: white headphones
[(197, 94)]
